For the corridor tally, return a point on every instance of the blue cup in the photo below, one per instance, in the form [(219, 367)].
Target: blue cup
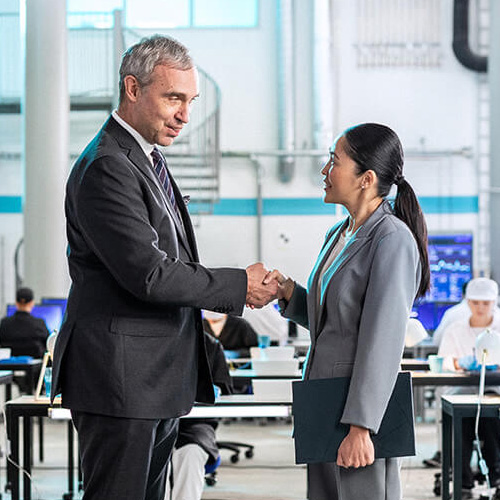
[(47, 378), (264, 341)]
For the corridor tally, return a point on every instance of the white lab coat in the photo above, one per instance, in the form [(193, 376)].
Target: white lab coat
[(458, 341)]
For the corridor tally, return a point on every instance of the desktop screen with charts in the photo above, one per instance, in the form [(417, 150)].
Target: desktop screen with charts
[(450, 259)]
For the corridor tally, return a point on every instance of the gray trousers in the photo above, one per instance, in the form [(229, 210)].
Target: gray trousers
[(379, 481)]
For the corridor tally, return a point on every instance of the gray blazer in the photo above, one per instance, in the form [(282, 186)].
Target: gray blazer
[(367, 294)]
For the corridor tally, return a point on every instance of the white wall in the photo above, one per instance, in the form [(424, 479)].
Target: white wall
[(434, 107), (430, 108)]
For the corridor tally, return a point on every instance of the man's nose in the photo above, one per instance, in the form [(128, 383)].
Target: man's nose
[(183, 113)]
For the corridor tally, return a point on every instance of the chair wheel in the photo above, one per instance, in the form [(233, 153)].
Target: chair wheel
[(210, 481), (249, 453), (437, 484), (235, 458), (67, 496)]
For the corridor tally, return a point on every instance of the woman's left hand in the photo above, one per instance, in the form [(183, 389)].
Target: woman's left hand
[(356, 450)]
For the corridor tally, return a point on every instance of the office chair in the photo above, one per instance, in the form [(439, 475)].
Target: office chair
[(236, 447), (211, 472)]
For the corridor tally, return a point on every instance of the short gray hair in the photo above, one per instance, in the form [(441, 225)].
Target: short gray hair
[(141, 59)]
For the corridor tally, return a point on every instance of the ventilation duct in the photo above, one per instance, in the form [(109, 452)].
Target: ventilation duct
[(461, 46)]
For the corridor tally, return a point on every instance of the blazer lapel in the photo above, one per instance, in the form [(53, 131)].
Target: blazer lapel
[(352, 247), (312, 283), (136, 155)]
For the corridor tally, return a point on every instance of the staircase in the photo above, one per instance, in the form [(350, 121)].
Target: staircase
[(193, 158)]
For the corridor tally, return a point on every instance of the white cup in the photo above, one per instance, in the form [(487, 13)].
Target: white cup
[(435, 363)]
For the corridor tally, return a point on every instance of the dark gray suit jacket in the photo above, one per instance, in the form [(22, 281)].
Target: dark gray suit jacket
[(131, 344), (367, 294)]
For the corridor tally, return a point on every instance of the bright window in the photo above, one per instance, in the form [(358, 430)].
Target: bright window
[(157, 14), (92, 13), (229, 13)]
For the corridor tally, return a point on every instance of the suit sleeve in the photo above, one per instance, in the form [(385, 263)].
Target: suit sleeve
[(392, 286), (296, 309), (113, 217)]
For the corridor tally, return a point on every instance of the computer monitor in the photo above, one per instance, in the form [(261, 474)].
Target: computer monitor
[(55, 301), (450, 260), (51, 314), (430, 313)]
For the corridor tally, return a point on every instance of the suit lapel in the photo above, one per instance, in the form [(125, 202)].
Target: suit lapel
[(187, 225), (352, 247), (136, 155), (312, 283)]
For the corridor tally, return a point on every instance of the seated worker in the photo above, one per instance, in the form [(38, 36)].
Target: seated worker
[(22, 332), (455, 313), (268, 321), (234, 333), (457, 349), (196, 444)]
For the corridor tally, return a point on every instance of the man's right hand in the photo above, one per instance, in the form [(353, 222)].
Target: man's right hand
[(286, 286), (258, 293)]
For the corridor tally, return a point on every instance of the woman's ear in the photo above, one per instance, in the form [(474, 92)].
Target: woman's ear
[(368, 179)]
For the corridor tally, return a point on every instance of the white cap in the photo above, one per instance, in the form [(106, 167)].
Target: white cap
[(481, 289)]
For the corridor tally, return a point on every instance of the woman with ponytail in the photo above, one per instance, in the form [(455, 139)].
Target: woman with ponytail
[(372, 266)]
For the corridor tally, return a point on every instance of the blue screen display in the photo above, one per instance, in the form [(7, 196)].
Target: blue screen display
[(51, 314), (430, 313), (55, 301), (450, 259)]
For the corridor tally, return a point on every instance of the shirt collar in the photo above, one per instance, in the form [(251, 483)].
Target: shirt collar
[(145, 145)]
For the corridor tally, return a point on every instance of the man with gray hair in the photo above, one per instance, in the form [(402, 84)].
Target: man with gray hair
[(130, 357)]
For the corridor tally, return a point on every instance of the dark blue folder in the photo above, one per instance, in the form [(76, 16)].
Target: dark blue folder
[(317, 409)]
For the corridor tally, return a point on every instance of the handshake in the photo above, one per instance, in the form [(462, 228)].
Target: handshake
[(264, 286)]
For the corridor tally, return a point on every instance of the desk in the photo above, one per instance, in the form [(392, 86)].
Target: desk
[(248, 375), (418, 378), (6, 377), (422, 349), (453, 378), (454, 409), (426, 378), (31, 371), (237, 362), (410, 364), (27, 407), (301, 346), (406, 363)]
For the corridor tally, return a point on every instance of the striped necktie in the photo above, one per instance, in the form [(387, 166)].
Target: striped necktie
[(161, 170)]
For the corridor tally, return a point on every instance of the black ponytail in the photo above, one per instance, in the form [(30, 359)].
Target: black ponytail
[(407, 208), (377, 147)]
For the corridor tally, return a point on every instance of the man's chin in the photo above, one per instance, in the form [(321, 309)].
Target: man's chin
[(166, 141)]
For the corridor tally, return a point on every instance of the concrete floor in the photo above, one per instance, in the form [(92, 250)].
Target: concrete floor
[(269, 475)]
